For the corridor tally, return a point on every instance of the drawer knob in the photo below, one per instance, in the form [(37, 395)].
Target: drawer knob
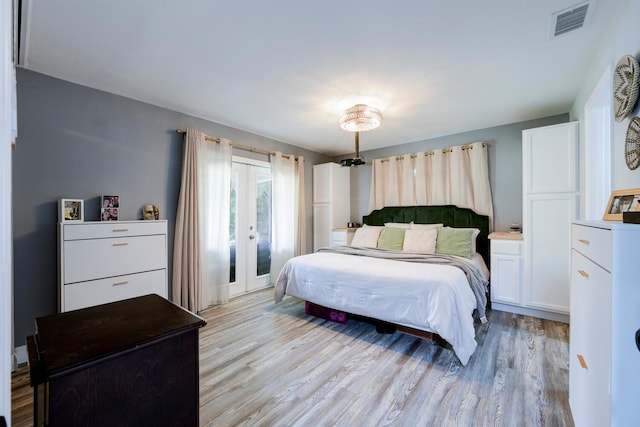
[(120, 230), (584, 241), (583, 273), (583, 362), (124, 282), (120, 244)]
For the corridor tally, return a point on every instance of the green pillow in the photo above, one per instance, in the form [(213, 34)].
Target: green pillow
[(391, 238), (455, 241)]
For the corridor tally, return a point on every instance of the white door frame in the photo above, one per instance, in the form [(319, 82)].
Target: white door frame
[(598, 129), (7, 81)]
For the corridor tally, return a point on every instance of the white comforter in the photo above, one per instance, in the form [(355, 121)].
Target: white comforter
[(430, 297)]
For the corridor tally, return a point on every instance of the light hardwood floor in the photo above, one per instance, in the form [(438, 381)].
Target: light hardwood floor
[(263, 364)]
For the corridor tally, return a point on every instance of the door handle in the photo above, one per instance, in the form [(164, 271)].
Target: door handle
[(583, 362), (251, 236)]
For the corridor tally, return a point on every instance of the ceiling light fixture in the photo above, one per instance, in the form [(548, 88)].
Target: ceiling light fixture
[(359, 118)]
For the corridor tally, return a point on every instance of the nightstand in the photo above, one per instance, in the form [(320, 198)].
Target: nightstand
[(506, 270), (342, 236)]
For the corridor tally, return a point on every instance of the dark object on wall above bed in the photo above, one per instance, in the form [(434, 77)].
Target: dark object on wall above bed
[(449, 215)]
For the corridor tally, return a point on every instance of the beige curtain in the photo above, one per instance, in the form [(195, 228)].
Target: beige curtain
[(301, 221), (455, 175), (201, 240), (288, 234)]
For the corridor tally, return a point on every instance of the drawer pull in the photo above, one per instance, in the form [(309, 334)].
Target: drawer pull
[(583, 362), (121, 244), (120, 230), (583, 273), (124, 282), (584, 241)]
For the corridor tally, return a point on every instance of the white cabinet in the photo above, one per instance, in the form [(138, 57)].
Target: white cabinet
[(506, 270), (102, 262), (331, 201), (604, 362), (550, 202)]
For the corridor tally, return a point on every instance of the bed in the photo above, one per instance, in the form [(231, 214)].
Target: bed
[(434, 293)]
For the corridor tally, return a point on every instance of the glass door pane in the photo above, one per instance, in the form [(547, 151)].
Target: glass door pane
[(250, 227), (263, 221), (233, 224)]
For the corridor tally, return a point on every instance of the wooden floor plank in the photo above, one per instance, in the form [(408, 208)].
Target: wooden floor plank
[(263, 364)]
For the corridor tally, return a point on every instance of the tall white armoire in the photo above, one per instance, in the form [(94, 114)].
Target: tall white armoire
[(551, 200), (331, 201)]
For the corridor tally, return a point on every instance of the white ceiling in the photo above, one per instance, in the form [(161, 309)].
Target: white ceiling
[(285, 69)]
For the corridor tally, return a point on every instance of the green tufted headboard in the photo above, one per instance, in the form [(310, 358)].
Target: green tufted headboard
[(449, 215)]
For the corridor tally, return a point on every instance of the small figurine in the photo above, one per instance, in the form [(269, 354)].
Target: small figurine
[(150, 212)]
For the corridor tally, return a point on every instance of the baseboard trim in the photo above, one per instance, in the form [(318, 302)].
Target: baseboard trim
[(548, 315)]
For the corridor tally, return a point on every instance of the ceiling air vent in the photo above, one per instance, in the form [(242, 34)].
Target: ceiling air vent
[(569, 19)]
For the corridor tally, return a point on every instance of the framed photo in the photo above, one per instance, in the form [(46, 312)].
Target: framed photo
[(71, 210), (109, 202), (109, 214), (622, 201)]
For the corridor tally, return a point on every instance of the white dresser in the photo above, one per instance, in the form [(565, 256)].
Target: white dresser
[(102, 262), (604, 363)]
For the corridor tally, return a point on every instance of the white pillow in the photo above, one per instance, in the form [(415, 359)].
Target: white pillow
[(379, 227), (398, 224), (366, 237), (420, 241), (425, 226)]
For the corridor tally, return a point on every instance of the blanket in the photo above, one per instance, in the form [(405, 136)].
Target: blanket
[(478, 284)]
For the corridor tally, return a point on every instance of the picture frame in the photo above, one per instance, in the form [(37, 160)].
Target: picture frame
[(107, 201), (109, 207), (622, 201), (109, 214), (71, 210)]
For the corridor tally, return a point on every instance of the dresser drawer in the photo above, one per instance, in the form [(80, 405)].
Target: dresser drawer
[(95, 259), (87, 294), (338, 237), (100, 230), (594, 243), (506, 247)]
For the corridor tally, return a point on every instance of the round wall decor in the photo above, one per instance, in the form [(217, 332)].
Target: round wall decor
[(632, 144), (625, 86)]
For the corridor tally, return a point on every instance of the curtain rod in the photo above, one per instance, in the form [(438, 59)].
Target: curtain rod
[(243, 147), (430, 153)]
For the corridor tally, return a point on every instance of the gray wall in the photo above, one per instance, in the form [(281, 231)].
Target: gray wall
[(77, 142), (505, 166)]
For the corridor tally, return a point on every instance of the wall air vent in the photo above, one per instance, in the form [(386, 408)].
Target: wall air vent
[(569, 19)]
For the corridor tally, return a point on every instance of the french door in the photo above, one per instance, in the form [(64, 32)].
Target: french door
[(250, 226)]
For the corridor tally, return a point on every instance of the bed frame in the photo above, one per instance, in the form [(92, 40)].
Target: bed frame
[(449, 215)]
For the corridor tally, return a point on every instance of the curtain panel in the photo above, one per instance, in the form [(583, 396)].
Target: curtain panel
[(288, 237), (300, 247), (201, 242), (455, 175)]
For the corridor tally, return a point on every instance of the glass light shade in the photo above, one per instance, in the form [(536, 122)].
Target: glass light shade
[(360, 118)]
